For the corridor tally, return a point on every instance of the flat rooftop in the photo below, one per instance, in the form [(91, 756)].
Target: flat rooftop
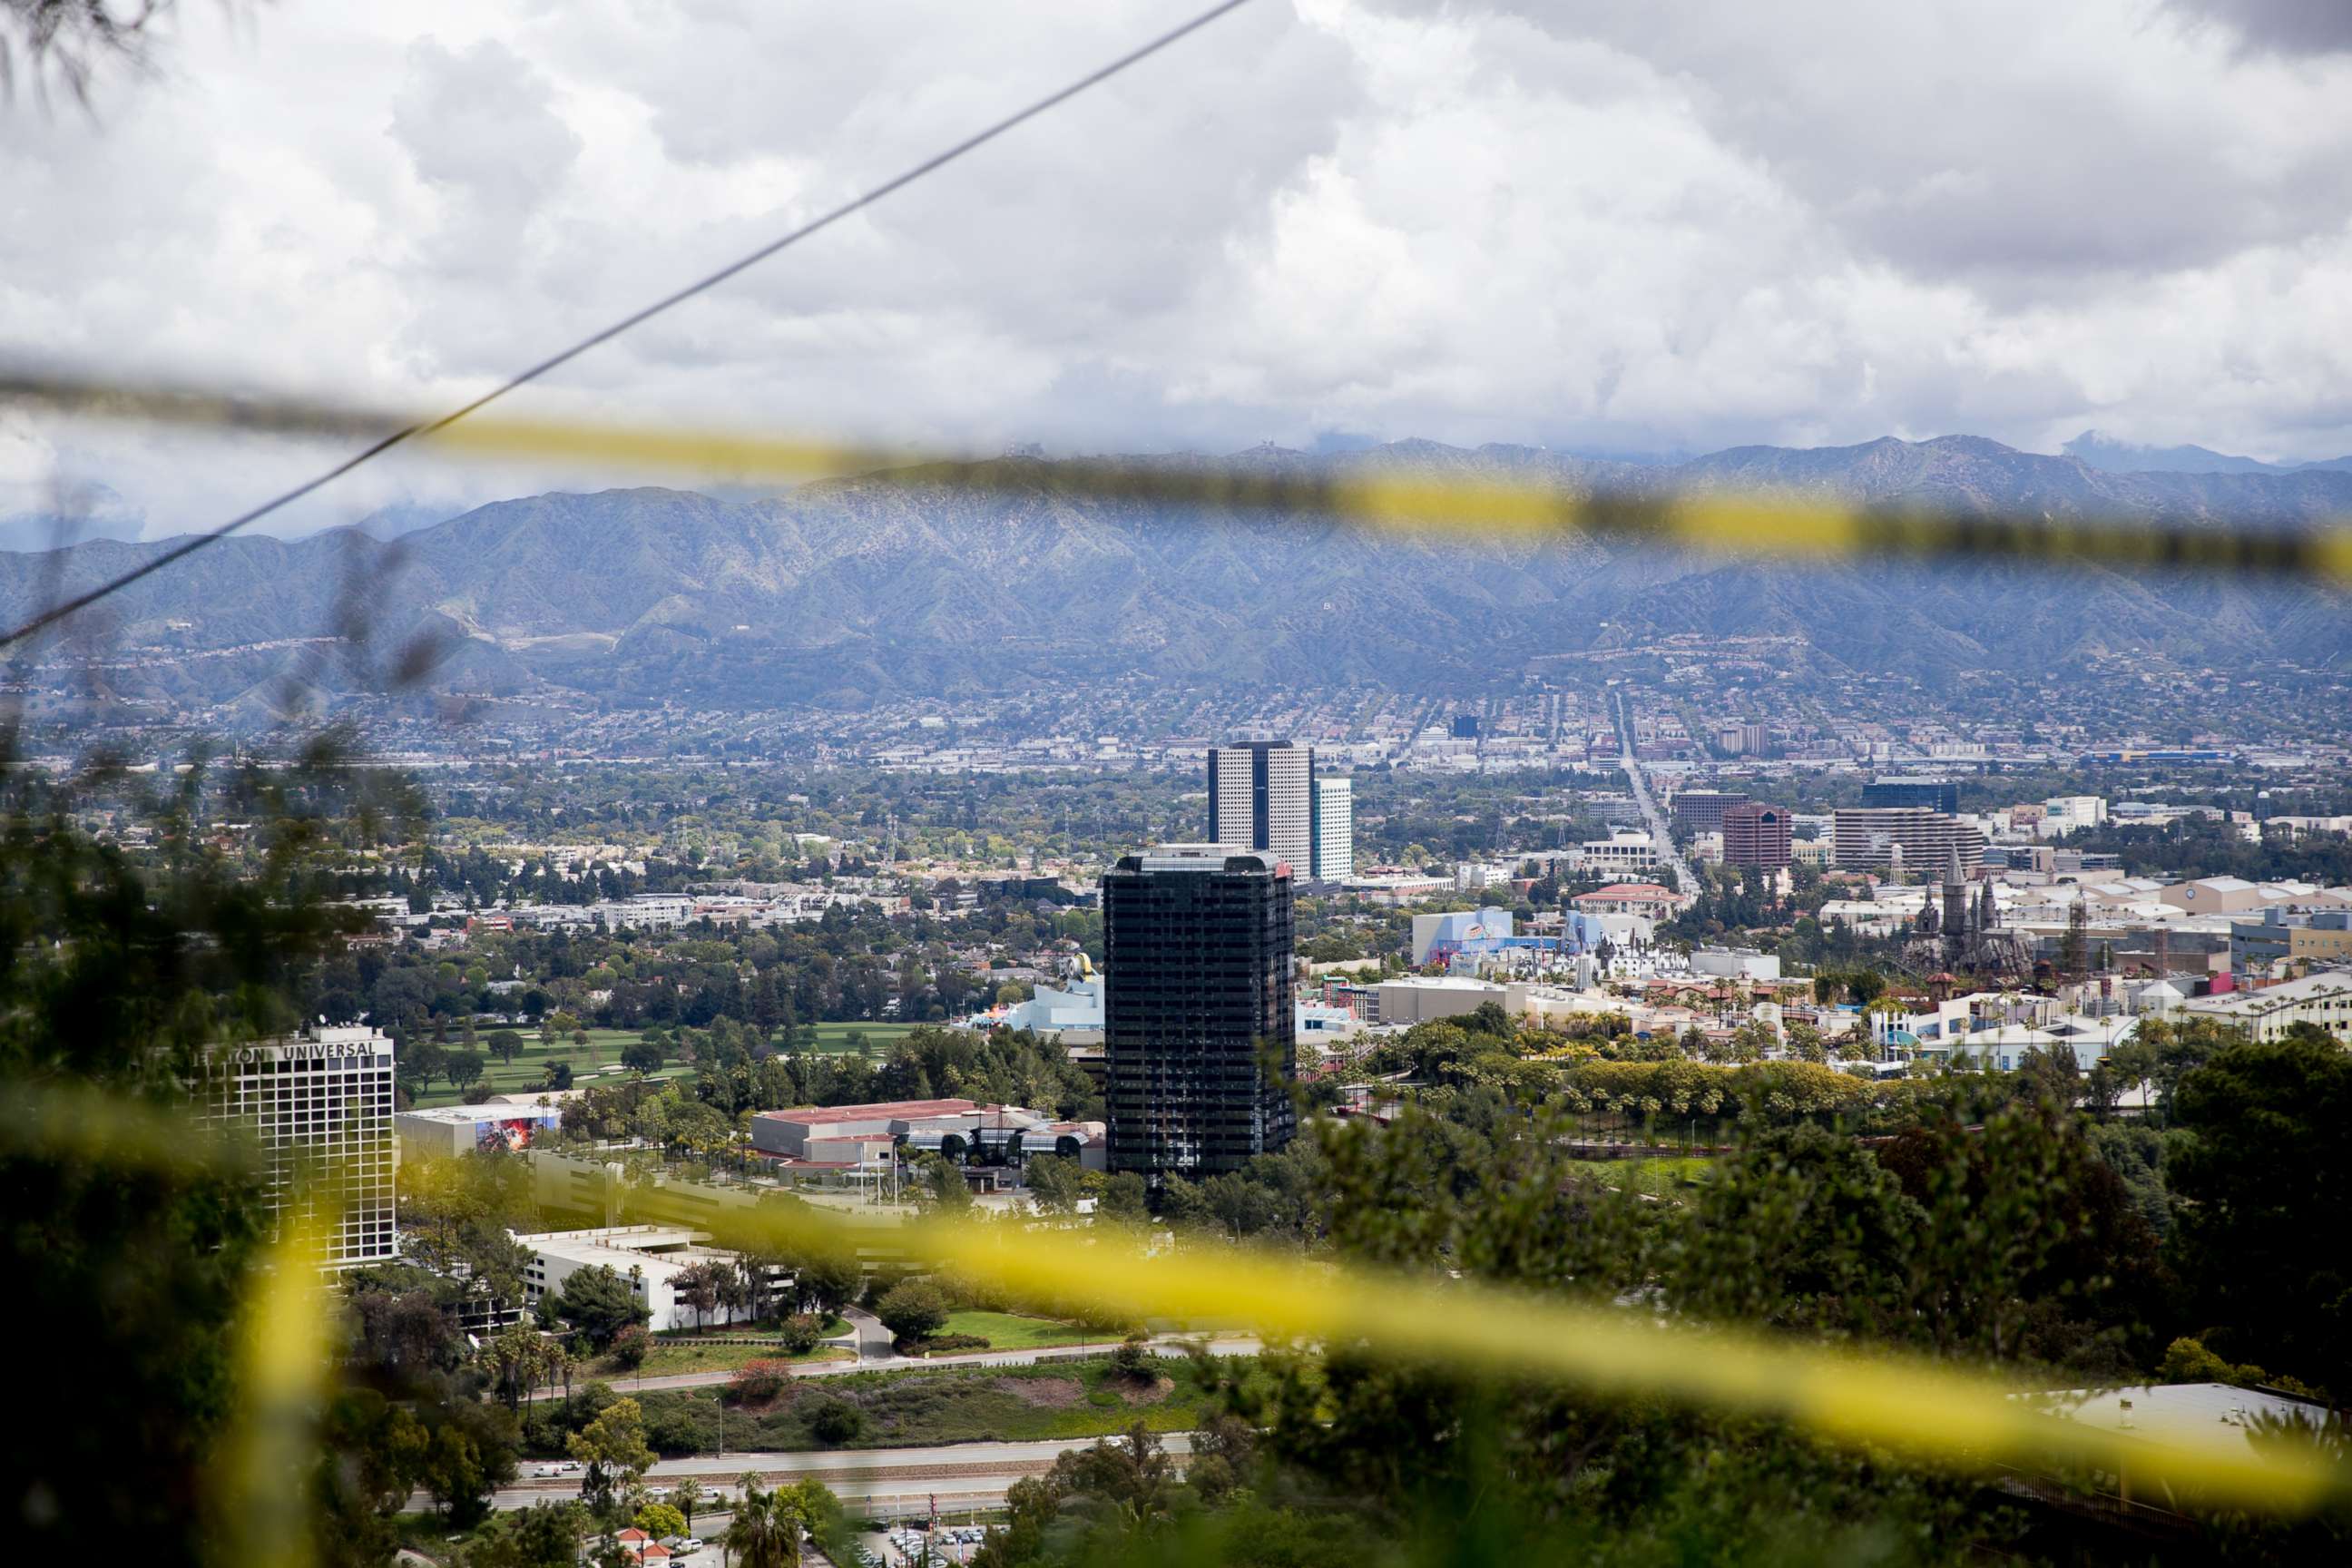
[(488, 1111), (878, 1110)]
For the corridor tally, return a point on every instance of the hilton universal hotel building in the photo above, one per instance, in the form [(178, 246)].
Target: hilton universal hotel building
[(319, 1107)]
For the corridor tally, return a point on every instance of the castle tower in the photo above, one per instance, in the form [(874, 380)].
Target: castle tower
[(1956, 907)]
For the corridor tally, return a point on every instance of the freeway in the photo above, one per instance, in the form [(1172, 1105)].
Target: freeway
[(961, 1475), (882, 1358), (1685, 880)]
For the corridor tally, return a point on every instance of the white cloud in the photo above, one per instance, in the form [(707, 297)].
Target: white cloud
[(1621, 224)]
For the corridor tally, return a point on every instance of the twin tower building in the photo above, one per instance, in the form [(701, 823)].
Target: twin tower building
[(1200, 998), (1265, 795)]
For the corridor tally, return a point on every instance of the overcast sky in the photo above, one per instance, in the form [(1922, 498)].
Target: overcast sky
[(1610, 225)]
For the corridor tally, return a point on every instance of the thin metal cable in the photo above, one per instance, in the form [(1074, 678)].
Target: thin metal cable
[(411, 432)]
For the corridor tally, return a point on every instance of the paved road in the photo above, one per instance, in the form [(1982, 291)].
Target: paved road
[(1685, 881), (961, 1475), (885, 1360)]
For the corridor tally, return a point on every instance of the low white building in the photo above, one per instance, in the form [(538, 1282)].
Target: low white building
[(1735, 963), (2073, 813), (1620, 854), (2324, 999), (648, 1258), (448, 1130)]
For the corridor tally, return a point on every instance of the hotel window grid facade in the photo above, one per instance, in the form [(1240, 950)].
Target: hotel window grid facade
[(318, 1109)]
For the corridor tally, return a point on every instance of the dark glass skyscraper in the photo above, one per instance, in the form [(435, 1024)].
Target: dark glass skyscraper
[(1200, 1043), (1935, 795)]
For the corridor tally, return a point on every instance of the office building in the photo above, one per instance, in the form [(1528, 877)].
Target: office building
[(1261, 796), (1619, 855), (1200, 1031), (1935, 795), (1898, 838), (1700, 811), (1754, 834), (648, 1258), (2323, 1000), (318, 1107), (2073, 813), (1334, 827), (1465, 726)]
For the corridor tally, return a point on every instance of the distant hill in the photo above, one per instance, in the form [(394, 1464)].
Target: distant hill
[(859, 589), (91, 511), (2126, 457)]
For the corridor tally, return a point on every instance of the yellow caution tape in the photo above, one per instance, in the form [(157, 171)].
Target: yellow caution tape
[(1407, 502), (1924, 1410)]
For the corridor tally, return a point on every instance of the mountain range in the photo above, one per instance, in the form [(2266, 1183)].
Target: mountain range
[(910, 583), (2115, 456)]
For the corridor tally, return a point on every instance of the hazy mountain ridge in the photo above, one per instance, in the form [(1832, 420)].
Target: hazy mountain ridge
[(2110, 456), (909, 583)]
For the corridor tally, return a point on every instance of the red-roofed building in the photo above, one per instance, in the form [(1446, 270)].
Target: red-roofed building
[(836, 1127)]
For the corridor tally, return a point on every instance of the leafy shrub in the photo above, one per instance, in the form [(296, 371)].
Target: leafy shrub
[(757, 1381), (681, 1427), (802, 1332), (1134, 1360), (834, 1421), (629, 1347), (942, 1345)]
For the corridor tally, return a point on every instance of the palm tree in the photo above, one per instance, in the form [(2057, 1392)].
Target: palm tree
[(765, 1528)]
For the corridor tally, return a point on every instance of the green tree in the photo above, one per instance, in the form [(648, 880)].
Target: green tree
[(828, 1281), (504, 1043), (2262, 1169), (462, 1068), (642, 1057), (765, 1529), (600, 1303), (1055, 1184), (660, 1520), (520, 1359), (468, 1456), (940, 1188), (544, 1535), (1123, 1199), (1801, 1229), (613, 1449), (913, 1310)]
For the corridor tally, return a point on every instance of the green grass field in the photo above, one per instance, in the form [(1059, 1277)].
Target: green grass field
[(834, 1037), (602, 1057), (1010, 1332)]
